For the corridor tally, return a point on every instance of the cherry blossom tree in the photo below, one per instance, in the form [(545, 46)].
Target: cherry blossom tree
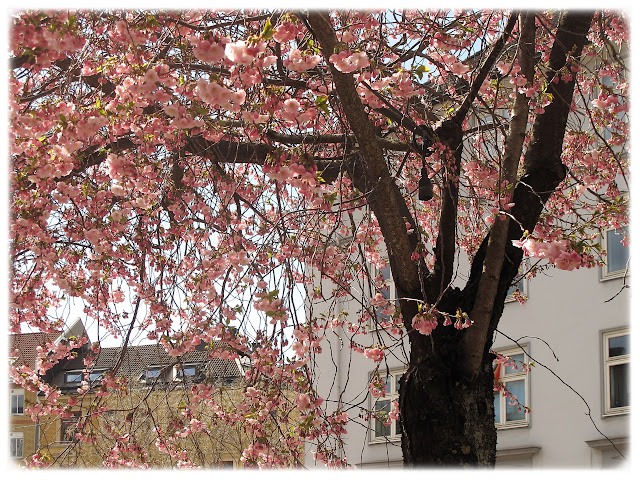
[(189, 176)]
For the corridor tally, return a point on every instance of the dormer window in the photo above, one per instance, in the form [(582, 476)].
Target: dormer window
[(183, 372), (72, 377), (153, 374)]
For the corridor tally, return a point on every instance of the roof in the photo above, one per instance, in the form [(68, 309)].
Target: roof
[(26, 344), (136, 359)]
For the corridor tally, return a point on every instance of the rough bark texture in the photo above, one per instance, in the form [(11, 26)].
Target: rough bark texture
[(448, 422)]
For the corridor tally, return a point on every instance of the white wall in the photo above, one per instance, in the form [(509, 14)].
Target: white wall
[(569, 311)]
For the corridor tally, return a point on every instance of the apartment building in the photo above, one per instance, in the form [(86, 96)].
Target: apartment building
[(568, 383), (157, 387)]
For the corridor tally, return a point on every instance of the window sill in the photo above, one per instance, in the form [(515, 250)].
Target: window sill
[(382, 441), (511, 425), (617, 412), (605, 277)]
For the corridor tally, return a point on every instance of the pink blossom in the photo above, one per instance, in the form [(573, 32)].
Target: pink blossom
[(242, 52), (299, 63), (459, 68), (284, 32), (425, 323), (303, 402), (347, 63), (376, 354)]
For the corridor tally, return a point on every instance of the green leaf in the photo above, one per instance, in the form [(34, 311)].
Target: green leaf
[(321, 103), (267, 31)]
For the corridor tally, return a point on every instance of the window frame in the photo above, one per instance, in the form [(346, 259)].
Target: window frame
[(179, 372), (391, 286), (505, 424), (18, 437), (65, 423), (93, 376), (161, 377), (605, 274), (394, 436), (75, 374), (607, 362), (17, 393)]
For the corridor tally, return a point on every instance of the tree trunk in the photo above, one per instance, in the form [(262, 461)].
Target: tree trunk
[(445, 421)]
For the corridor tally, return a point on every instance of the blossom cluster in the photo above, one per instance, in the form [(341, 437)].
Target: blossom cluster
[(558, 252)]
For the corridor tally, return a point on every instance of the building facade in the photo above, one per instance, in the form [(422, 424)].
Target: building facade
[(565, 398), (156, 388)]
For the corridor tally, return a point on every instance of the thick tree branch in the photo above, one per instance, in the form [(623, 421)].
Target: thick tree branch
[(385, 198), (474, 339), (544, 170), (450, 133)]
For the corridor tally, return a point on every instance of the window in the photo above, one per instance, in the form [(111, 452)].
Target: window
[(95, 376), (16, 443), (511, 399), (73, 377), (154, 374), (184, 372), (17, 401), (68, 427), (383, 428), (617, 253), (519, 289), (616, 349), (385, 314)]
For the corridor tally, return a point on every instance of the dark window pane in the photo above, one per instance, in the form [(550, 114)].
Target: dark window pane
[(386, 273), (496, 406), (619, 383), (617, 254), (518, 361), (16, 447), (382, 408), (17, 404), (619, 346), (515, 388)]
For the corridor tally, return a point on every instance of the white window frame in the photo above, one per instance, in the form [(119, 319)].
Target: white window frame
[(503, 423), (605, 273), (17, 393), (96, 375), (73, 374), (69, 423), (16, 445), (610, 362), (394, 436)]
